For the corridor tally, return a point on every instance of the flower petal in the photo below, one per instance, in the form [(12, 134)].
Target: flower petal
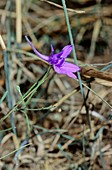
[(66, 51), (70, 67), (52, 49), (44, 57), (70, 74), (64, 70), (59, 70)]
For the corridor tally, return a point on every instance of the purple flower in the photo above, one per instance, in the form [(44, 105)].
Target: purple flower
[(58, 60)]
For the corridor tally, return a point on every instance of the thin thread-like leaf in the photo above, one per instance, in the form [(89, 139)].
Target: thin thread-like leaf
[(5, 130), (14, 151), (19, 90), (3, 97), (27, 121)]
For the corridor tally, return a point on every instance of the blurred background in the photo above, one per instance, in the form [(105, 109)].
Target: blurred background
[(60, 137)]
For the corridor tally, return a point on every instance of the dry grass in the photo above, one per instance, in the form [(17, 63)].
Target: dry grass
[(67, 135)]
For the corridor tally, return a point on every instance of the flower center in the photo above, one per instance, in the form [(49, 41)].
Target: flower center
[(56, 59)]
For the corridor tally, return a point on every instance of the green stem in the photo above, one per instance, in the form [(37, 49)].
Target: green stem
[(72, 43), (29, 93)]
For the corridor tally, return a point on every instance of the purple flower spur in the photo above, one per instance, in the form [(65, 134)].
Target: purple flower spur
[(58, 60)]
